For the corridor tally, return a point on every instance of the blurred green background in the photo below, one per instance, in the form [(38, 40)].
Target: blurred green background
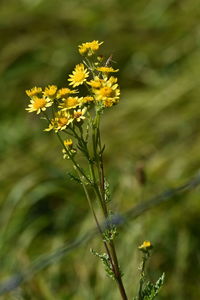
[(156, 125)]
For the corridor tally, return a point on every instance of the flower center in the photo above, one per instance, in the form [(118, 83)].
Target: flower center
[(79, 77), (106, 92), (71, 102), (39, 103), (77, 114), (52, 92), (63, 121)]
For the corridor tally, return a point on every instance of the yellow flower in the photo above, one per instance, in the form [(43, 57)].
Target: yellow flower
[(50, 91), (89, 48), (70, 102), (68, 143), (68, 149), (79, 114), (38, 104), (96, 83), (146, 245), (108, 102), (78, 76), (34, 91), (60, 122), (108, 93), (106, 69), (63, 120), (105, 92), (65, 92)]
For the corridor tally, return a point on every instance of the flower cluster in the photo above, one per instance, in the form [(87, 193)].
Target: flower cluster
[(74, 113), (69, 107), (89, 48)]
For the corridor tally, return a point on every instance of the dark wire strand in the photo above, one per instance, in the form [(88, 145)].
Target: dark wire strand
[(117, 220)]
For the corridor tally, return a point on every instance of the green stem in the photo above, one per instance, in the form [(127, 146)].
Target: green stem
[(80, 172), (82, 144), (96, 219), (142, 277), (98, 158)]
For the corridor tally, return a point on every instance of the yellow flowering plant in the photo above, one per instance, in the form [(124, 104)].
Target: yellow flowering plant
[(147, 290), (74, 115)]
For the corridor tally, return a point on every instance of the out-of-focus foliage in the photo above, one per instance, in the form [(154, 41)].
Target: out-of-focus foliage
[(155, 127)]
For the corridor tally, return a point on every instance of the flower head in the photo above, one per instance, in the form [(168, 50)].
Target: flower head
[(79, 114), (34, 91), (63, 120), (69, 103), (60, 122), (95, 83), (68, 143), (146, 246), (68, 150), (38, 104), (78, 76), (50, 91), (89, 48), (108, 92), (65, 92), (106, 69)]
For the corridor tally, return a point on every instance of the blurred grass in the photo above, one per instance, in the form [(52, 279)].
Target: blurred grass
[(156, 46)]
